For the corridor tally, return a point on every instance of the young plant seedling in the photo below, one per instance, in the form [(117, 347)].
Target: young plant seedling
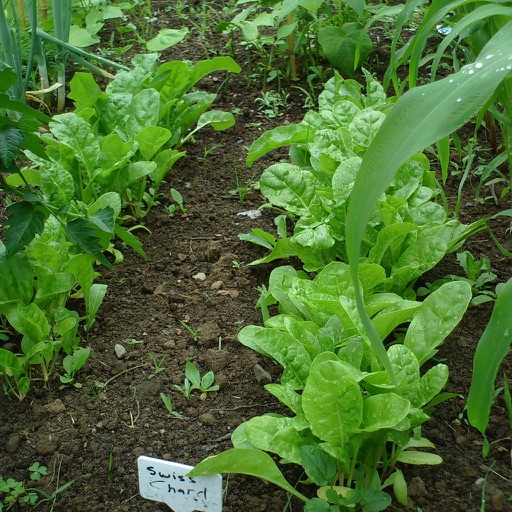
[(158, 365), (168, 405), (72, 363), (37, 471), (194, 332), (193, 380)]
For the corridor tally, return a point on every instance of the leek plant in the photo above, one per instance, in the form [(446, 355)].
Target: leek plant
[(12, 53)]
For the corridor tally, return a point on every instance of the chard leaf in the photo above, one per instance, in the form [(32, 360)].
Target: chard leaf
[(217, 119), (130, 240), (419, 458), (343, 179), (282, 347), (292, 188), (57, 184), (277, 138), (29, 320), (84, 90), (26, 220), (273, 433), (114, 152), (143, 111), (205, 67), (318, 464), (77, 134), (431, 384), (333, 390), (390, 238), (384, 411), (51, 284), (151, 139), (16, 279), (132, 173), (365, 125), (247, 462), (93, 303), (81, 266), (286, 396), (116, 111), (392, 316), (438, 315), (407, 371), (166, 38)]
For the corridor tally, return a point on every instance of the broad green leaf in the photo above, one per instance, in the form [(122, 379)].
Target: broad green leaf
[(51, 284), (28, 320), (130, 240), (383, 411), (217, 119), (94, 300), (105, 219), (279, 137), (286, 396), (166, 38), (431, 384), (419, 458), (320, 467), (57, 184), (11, 139), (77, 134), (109, 200), (144, 111), (16, 279), (81, 37), (83, 234), (331, 389), (151, 139), (492, 347), (115, 111), (114, 154), (438, 315), (9, 363), (205, 67), (247, 462), (443, 107), (133, 173), (292, 188), (25, 221)]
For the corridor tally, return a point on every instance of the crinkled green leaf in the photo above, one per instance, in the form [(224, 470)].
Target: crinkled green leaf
[(11, 139), (26, 220), (143, 111), (384, 411)]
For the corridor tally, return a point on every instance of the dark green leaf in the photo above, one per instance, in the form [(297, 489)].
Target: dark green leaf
[(82, 233), (11, 139), (26, 220)]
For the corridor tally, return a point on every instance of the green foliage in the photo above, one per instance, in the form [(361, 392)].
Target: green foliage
[(126, 139), (408, 232), (492, 348), (349, 423), (194, 381)]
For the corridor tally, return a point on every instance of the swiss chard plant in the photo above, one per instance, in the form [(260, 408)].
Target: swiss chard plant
[(128, 137), (408, 232), (350, 425)]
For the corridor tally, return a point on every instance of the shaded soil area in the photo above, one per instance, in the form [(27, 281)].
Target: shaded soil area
[(186, 303)]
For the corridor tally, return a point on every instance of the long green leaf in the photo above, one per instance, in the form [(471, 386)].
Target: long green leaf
[(492, 348), (247, 462), (421, 117)]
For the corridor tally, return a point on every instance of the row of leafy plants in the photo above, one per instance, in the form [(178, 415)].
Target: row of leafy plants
[(353, 340), (91, 171)]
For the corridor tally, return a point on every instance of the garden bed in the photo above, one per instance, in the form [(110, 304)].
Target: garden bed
[(186, 303)]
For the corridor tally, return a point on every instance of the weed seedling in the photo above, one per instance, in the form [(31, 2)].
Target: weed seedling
[(168, 405), (158, 365), (37, 471), (193, 380), (193, 332)]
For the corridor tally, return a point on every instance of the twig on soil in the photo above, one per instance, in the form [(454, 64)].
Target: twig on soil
[(132, 420), (105, 384)]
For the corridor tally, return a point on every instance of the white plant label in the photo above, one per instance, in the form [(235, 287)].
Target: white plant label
[(166, 482)]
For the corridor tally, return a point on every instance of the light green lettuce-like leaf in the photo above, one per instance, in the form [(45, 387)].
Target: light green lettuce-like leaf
[(293, 188), (50, 284), (384, 411), (29, 320), (431, 384), (419, 458), (16, 279), (110, 200), (217, 119), (284, 348), (164, 161), (394, 315), (276, 434), (143, 111), (77, 134), (82, 267), (84, 90), (365, 125), (247, 462), (205, 67), (94, 300), (114, 154), (115, 112), (151, 139), (390, 239), (166, 38), (286, 396), (343, 179), (57, 184), (132, 173), (277, 138), (320, 467), (331, 389), (438, 315)]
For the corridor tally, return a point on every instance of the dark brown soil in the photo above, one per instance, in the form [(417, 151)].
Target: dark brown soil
[(94, 436)]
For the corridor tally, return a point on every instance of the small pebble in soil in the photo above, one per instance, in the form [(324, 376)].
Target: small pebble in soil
[(200, 276), (12, 444), (217, 285), (262, 376), (119, 350)]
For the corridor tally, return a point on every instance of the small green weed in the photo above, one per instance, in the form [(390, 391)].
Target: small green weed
[(168, 405), (157, 364), (193, 332), (193, 380)]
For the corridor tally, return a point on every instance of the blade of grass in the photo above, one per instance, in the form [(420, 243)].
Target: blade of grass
[(421, 117)]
